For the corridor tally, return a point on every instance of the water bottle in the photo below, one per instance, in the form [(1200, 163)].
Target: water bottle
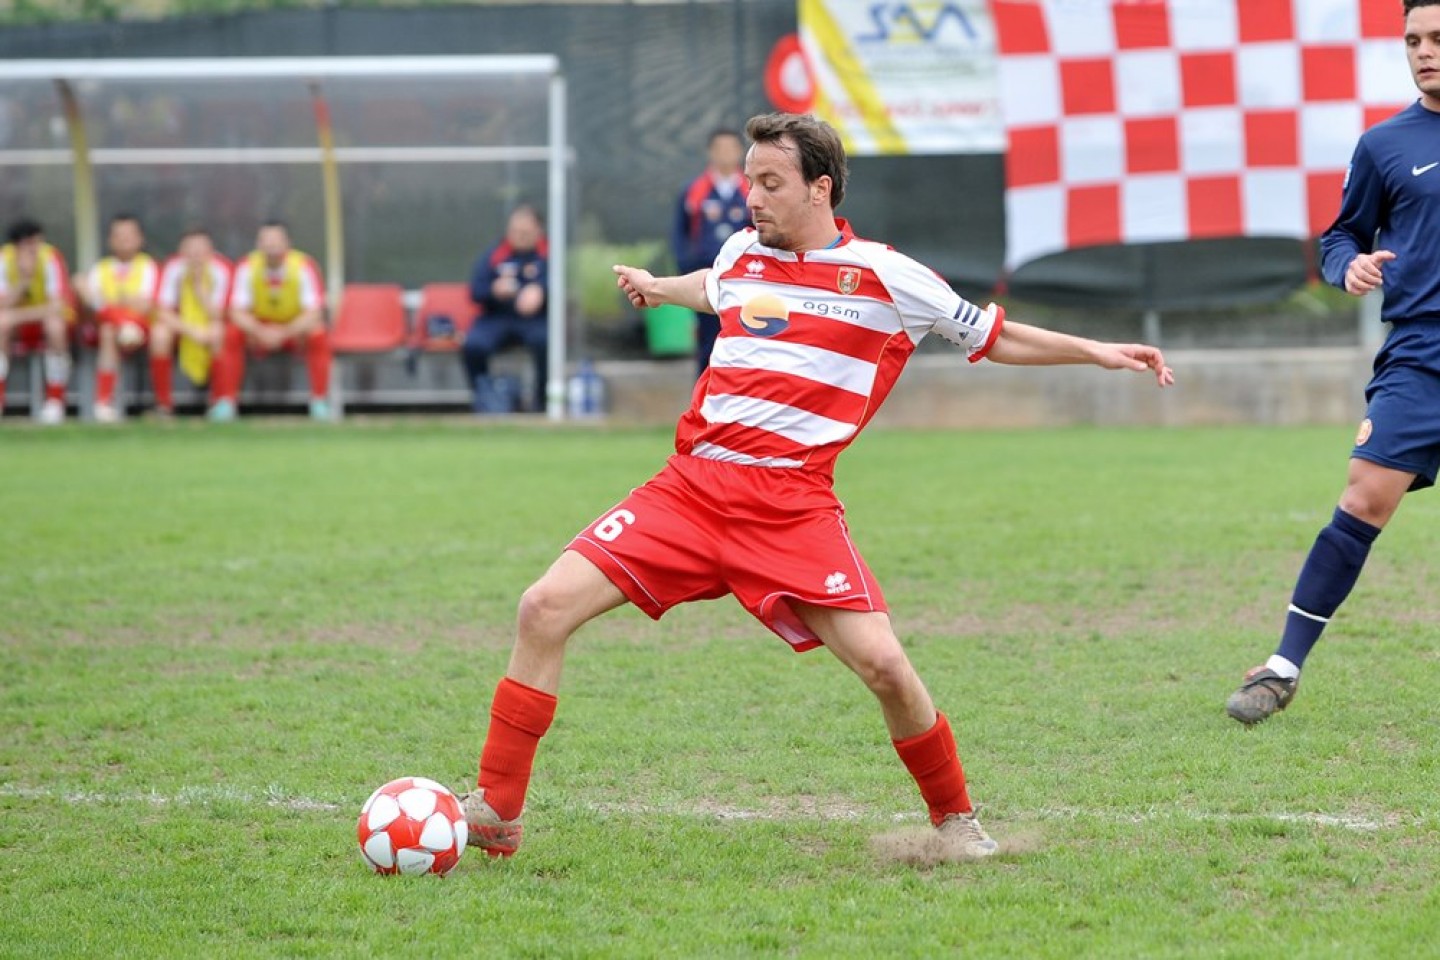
[(585, 391)]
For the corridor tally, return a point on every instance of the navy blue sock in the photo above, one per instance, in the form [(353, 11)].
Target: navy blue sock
[(1325, 581)]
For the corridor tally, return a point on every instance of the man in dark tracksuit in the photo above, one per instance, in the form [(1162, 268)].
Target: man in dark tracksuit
[(710, 209), (509, 284)]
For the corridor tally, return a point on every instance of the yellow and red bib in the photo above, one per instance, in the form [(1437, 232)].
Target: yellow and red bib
[(276, 299)]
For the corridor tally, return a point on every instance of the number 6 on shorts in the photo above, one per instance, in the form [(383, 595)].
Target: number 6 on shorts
[(614, 524)]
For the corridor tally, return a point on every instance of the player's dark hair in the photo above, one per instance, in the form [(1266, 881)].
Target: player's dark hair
[(1412, 4), (23, 229), (719, 132), (195, 230), (124, 216), (816, 144), (270, 222)]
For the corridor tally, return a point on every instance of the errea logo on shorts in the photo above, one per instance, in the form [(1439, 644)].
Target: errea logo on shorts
[(837, 583)]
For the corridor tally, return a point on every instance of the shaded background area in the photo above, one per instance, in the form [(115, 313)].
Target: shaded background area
[(647, 82)]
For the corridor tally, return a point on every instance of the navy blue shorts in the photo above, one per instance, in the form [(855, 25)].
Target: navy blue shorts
[(1401, 429)]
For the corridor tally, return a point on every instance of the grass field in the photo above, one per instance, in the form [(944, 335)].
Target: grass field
[(216, 643)]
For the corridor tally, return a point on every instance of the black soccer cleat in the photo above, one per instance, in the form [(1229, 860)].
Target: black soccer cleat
[(1263, 694)]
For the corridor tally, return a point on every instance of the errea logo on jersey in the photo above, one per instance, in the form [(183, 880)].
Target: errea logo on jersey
[(837, 583), (755, 267)]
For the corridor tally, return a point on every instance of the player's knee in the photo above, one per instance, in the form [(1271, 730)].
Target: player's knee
[(544, 612), (1372, 506), (886, 672)]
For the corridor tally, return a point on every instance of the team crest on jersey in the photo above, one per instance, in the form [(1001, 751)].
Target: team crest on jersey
[(765, 315), (1365, 428), (848, 281)]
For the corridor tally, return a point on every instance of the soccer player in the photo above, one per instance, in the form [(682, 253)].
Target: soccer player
[(194, 287), (509, 284), (121, 291), (1393, 189), (36, 305), (816, 326), (277, 302), (708, 211)]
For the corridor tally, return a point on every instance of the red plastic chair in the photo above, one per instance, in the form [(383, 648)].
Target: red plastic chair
[(371, 319), (444, 299)]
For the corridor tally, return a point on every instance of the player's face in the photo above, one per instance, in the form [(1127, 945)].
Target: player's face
[(522, 231), (197, 250), (1422, 47), (726, 154), (782, 205), (125, 239), (274, 242), (27, 254)]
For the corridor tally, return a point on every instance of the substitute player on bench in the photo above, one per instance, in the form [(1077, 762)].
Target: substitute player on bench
[(1393, 190), (277, 302), (36, 304), (194, 289), (816, 326), (121, 291)]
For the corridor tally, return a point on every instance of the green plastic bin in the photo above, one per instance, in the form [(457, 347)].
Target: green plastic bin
[(670, 331)]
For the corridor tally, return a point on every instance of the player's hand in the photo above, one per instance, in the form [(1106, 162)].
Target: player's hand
[(1135, 356), (504, 288), (1363, 274), (530, 299), (638, 285)]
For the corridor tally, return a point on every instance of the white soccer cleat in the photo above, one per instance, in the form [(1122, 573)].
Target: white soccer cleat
[(965, 839), (106, 413), (498, 838), (52, 412)]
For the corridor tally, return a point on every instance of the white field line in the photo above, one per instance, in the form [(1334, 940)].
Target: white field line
[(277, 797)]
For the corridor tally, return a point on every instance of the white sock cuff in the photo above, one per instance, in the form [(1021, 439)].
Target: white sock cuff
[(4, 365), (57, 368), (1308, 615), (1282, 667)]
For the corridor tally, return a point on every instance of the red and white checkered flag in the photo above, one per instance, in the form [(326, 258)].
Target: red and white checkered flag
[(1134, 121)]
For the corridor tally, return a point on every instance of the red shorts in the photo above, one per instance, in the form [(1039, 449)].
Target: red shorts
[(701, 529)]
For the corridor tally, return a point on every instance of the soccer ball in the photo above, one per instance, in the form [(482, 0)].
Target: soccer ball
[(412, 825), (129, 335)]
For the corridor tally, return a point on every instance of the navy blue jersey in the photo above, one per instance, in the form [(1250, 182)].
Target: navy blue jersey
[(1393, 189), (705, 217), (525, 266)]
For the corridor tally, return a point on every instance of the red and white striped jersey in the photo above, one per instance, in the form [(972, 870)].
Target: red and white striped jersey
[(215, 287), (811, 344)]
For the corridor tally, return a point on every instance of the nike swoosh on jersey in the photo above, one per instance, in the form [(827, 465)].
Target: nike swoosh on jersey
[(1416, 171)]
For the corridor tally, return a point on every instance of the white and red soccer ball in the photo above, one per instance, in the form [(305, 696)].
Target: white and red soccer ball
[(412, 825)]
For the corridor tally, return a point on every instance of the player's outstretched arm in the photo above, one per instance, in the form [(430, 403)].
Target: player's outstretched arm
[(646, 290), (1022, 344)]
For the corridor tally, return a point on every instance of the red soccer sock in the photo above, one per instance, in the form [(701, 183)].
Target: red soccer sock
[(519, 717), (317, 362), (105, 386), (53, 391), (162, 379), (933, 762)]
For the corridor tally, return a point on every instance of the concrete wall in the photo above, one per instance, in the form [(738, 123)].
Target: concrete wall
[(1310, 386)]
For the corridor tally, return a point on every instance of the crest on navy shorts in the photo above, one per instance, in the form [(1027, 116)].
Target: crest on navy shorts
[(848, 281), (1365, 427)]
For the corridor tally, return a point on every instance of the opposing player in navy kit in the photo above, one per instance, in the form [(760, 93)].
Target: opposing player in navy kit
[(1387, 234)]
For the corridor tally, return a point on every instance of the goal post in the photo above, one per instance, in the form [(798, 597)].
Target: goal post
[(68, 113)]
